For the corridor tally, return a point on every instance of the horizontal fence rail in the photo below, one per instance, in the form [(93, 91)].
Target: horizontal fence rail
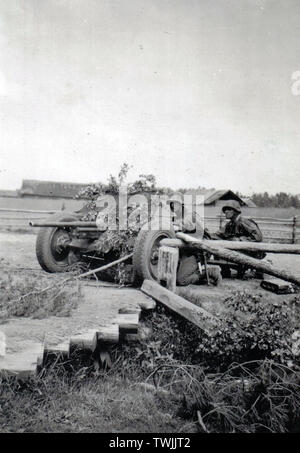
[(26, 211), (273, 229), (18, 219)]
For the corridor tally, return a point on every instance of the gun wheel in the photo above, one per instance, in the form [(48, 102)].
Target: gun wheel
[(52, 245), (145, 254)]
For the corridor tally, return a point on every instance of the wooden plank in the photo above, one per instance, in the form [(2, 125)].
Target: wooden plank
[(287, 223), (275, 219), (172, 243), (108, 334), (128, 311), (167, 266), (238, 245), (196, 315), (147, 305), (61, 350), (21, 365), (85, 342), (235, 257), (277, 286), (128, 323), (272, 240)]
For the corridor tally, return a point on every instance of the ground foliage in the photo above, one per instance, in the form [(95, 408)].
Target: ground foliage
[(116, 243), (164, 381), (243, 380), (144, 184), (251, 329), (251, 397), (79, 401), (25, 296)]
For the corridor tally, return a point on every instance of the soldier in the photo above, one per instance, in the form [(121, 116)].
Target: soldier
[(239, 228), (191, 269)]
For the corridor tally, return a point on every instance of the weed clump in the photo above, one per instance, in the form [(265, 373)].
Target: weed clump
[(266, 399), (253, 329), (244, 379), (26, 297)]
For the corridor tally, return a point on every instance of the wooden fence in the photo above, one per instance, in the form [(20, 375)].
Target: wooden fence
[(18, 219), (273, 229)]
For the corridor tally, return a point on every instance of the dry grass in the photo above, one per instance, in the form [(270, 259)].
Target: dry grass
[(25, 296), (163, 395), (258, 396), (58, 403)]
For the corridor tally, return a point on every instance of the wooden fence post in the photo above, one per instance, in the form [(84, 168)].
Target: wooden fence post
[(221, 221), (294, 230), (167, 266)]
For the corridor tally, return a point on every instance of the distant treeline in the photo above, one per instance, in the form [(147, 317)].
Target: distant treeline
[(279, 200)]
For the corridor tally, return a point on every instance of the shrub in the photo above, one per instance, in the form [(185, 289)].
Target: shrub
[(118, 243), (252, 329), (254, 396)]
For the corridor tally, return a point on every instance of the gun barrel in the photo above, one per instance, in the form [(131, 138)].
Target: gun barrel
[(63, 224)]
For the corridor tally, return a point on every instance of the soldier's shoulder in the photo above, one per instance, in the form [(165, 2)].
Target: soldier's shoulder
[(247, 221)]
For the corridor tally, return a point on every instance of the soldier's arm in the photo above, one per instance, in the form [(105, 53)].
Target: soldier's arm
[(217, 235), (252, 231), (224, 233)]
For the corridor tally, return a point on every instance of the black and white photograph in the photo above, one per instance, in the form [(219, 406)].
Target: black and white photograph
[(150, 219)]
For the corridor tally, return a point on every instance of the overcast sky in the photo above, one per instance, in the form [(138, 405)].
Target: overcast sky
[(197, 92)]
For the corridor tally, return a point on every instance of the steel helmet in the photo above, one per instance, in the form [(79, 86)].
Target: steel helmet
[(175, 199), (232, 204)]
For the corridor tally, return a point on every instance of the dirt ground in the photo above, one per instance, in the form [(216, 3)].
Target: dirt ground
[(99, 305), (101, 301)]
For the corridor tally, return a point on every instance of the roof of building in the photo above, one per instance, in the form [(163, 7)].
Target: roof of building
[(212, 195), (222, 195), (249, 203), (50, 188), (8, 193)]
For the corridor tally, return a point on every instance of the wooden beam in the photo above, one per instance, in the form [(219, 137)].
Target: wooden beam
[(167, 266), (128, 311), (196, 315), (147, 305), (61, 350), (108, 334), (128, 323), (235, 257), (21, 365), (172, 243), (246, 246), (85, 342)]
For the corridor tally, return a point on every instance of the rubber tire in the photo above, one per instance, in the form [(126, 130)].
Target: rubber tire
[(43, 250), (142, 252)]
